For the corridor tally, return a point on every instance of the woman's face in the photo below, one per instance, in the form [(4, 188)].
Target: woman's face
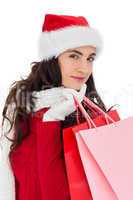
[(76, 66)]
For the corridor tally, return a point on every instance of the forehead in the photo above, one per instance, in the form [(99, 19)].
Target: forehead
[(83, 49), (86, 50)]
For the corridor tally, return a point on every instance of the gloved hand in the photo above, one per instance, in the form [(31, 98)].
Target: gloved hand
[(60, 111)]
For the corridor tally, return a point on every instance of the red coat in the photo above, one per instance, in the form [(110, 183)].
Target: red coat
[(38, 164)]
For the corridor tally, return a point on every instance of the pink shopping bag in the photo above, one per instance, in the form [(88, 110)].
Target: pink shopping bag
[(106, 154), (78, 185)]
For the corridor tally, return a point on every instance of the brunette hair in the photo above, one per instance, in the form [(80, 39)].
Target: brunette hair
[(41, 77)]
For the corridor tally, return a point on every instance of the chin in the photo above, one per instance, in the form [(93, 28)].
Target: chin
[(73, 84), (73, 87)]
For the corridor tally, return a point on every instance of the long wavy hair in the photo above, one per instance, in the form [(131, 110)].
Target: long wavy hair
[(41, 77)]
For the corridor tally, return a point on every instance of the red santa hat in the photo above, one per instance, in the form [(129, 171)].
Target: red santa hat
[(62, 32)]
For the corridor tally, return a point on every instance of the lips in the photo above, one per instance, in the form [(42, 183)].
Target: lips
[(78, 78)]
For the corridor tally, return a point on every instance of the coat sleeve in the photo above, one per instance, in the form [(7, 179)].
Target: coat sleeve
[(7, 181), (50, 161)]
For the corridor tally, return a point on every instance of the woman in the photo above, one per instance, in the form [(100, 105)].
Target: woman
[(40, 106)]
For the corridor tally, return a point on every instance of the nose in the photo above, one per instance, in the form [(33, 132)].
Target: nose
[(85, 68)]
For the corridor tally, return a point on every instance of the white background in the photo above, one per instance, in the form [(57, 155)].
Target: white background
[(20, 24)]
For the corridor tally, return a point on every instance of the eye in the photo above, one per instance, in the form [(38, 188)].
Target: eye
[(74, 56), (91, 59)]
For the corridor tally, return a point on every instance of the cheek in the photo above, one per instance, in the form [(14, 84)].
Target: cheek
[(90, 70), (66, 65), (66, 70)]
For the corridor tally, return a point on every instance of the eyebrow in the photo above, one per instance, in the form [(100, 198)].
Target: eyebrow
[(80, 53)]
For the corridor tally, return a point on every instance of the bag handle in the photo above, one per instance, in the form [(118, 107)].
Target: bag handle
[(92, 105), (77, 113), (95, 109)]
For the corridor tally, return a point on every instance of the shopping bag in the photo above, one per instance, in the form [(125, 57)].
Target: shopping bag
[(106, 154), (78, 184)]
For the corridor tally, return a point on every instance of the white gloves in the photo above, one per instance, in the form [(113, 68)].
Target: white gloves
[(60, 111)]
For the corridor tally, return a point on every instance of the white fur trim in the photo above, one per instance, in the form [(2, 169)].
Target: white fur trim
[(55, 42)]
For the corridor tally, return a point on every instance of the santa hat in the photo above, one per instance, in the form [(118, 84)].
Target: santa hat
[(62, 32)]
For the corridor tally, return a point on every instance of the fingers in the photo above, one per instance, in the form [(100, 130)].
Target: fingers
[(82, 92), (69, 92), (83, 89)]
